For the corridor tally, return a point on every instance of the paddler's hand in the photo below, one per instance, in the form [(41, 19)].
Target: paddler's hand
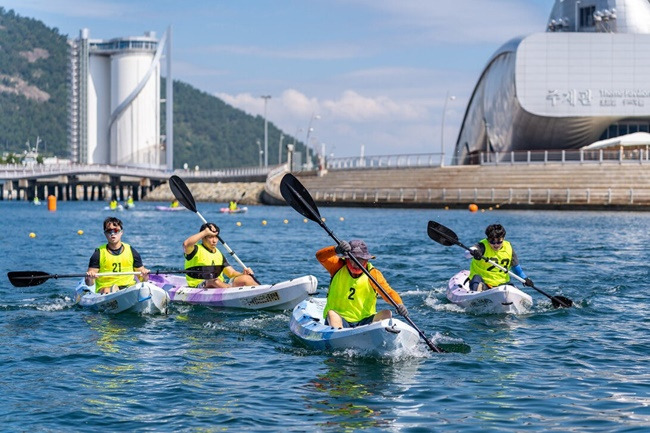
[(144, 274), (401, 309), (528, 282), (476, 254), (91, 276), (343, 248), (248, 271)]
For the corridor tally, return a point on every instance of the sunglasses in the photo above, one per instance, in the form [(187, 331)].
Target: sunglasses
[(110, 232), (495, 241)]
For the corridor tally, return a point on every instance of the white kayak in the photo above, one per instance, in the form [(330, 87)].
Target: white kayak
[(382, 337), (145, 298), (501, 299), (280, 296)]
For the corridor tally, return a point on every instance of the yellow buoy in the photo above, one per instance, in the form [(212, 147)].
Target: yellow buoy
[(286, 221), (473, 207), (238, 223), (32, 235), (304, 220), (322, 219), (263, 222), (341, 219), (80, 232)]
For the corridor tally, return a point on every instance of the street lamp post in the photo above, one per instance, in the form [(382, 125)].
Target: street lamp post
[(442, 129), (266, 132), (280, 149), (309, 130), (259, 150)]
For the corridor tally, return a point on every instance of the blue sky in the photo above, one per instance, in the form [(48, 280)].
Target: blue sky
[(375, 72)]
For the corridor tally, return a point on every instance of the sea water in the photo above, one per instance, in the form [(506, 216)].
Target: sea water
[(198, 369)]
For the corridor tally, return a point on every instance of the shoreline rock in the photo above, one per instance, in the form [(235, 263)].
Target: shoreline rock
[(220, 192)]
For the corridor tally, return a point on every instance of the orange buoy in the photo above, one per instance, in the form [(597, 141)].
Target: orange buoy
[(473, 207), (51, 203)]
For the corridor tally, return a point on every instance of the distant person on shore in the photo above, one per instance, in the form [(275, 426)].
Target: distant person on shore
[(352, 296), (114, 256), (484, 275), (206, 253)]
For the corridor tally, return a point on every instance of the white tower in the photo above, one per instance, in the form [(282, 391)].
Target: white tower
[(115, 101)]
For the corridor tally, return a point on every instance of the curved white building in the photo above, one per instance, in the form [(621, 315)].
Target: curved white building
[(115, 101), (585, 79)]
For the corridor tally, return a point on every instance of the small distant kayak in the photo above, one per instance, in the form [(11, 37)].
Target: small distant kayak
[(129, 206), (280, 296), (389, 335), (144, 298), (119, 208), (501, 299), (170, 209), (238, 210)]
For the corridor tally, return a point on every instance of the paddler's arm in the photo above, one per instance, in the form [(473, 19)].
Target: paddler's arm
[(138, 266), (189, 243), (377, 275), (93, 268), (330, 261)]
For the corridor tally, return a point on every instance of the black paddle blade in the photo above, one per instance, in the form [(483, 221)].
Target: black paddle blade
[(28, 278), (297, 196), (205, 272), (561, 301), (182, 193), (441, 234)]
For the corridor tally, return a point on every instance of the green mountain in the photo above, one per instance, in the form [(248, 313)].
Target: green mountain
[(33, 102)]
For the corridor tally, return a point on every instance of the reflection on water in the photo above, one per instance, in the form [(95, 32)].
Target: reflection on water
[(355, 393)]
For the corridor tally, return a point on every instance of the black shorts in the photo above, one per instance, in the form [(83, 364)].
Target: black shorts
[(346, 324)]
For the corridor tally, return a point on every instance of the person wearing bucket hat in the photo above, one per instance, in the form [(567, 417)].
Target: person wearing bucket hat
[(352, 296)]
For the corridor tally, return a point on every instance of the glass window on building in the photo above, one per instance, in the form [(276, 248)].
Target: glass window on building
[(587, 16)]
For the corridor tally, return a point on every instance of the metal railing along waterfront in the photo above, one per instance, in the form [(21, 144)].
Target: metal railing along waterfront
[(578, 156), (486, 196)]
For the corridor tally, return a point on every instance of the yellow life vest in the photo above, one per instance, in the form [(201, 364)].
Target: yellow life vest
[(203, 257), (233, 205), (493, 276), (353, 298), (108, 262), (113, 204)]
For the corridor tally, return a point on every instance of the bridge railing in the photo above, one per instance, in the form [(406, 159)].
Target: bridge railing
[(19, 171)]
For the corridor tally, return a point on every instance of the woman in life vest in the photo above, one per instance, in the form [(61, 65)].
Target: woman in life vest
[(207, 254), (352, 296), (114, 256), (484, 275)]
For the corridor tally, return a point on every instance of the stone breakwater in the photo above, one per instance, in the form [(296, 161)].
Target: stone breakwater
[(219, 192)]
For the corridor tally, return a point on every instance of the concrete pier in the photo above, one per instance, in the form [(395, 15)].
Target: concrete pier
[(609, 185)]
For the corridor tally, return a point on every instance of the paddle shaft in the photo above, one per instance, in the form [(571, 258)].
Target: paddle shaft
[(320, 222), (517, 277)]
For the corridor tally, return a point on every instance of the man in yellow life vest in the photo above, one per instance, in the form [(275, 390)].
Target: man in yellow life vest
[(113, 204), (484, 275), (207, 254), (174, 204), (232, 205), (352, 296), (114, 256)]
